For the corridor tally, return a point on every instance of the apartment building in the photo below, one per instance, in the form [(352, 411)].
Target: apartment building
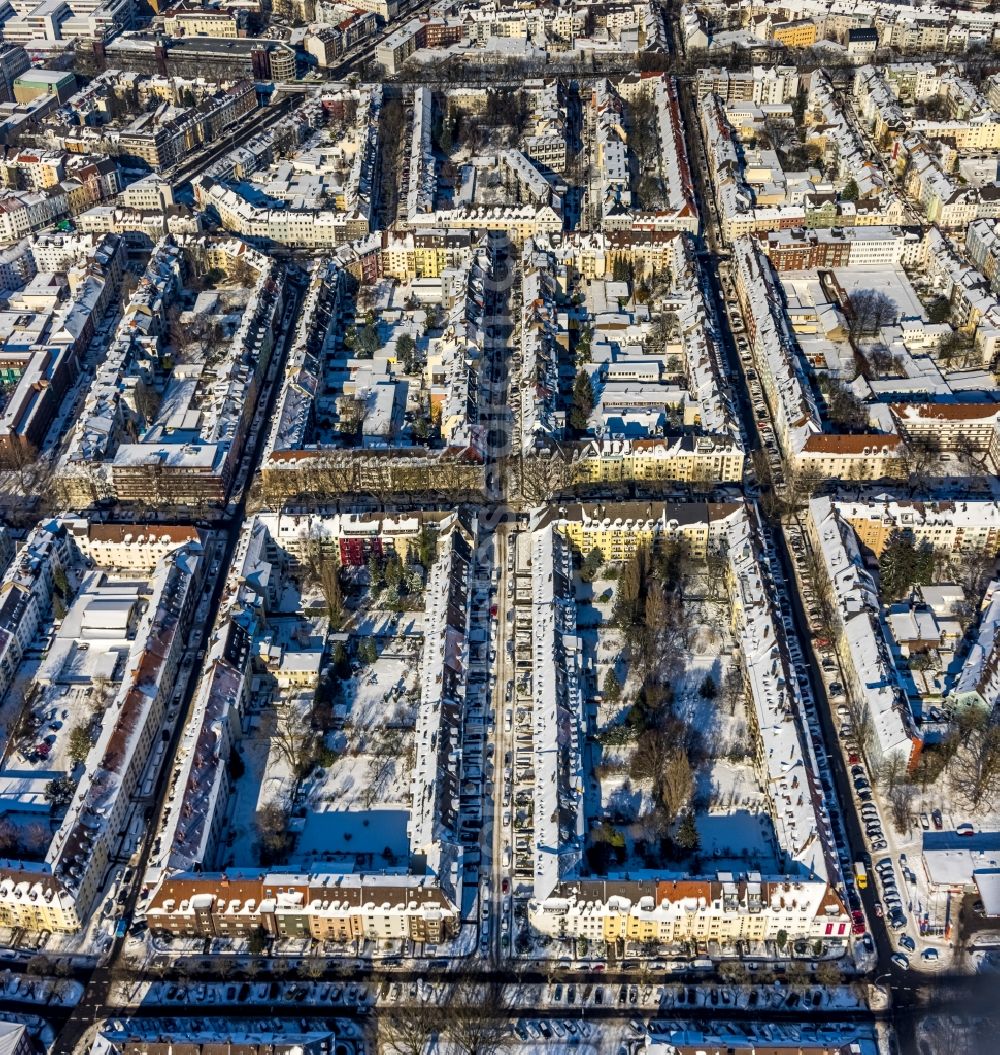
[(120, 453), (798, 424), (974, 307), (190, 21), (950, 427), (134, 1037), (337, 907), (57, 312), (800, 249), (798, 33), (982, 245), (84, 182), (163, 137), (697, 912), (13, 62), (317, 227), (619, 529), (425, 32), (424, 253), (187, 899), (706, 460), (297, 468), (843, 532), (353, 537), (124, 632), (229, 58), (761, 85), (327, 43), (756, 1039)]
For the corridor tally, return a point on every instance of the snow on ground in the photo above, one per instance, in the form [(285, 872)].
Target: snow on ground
[(732, 816), (355, 805), (251, 790), (377, 695), (738, 840), (378, 623), (375, 742), (333, 835), (19, 987), (936, 919)]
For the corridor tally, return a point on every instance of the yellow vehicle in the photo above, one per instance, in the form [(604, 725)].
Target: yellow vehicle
[(860, 875)]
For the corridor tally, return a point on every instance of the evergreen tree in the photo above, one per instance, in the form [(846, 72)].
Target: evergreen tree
[(903, 565), (592, 565), (405, 347), (583, 401), (612, 686), (687, 834)]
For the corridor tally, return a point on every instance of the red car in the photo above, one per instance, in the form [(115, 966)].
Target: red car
[(853, 760), (505, 885), (857, 928)]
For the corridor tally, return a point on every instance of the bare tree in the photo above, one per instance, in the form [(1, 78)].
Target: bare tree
[(384, 752), (901, 799), (147, 401), (404, 1030), (920, 456), (800, 485), (659, 758), (242, 273), (868, 311), (975, 769), (9, 838), (732, 689), (290, 736), (36, 838), (651, 756), (22, 458), (716, 566), (733, 972), (129, 283), (865, 730), (323, 568), (797, 974), (329, 583), (540, 475), (677, 783), (970, 454), (478, 1016), (891, 772), (828, 974), (272, 828), (352, 414)]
